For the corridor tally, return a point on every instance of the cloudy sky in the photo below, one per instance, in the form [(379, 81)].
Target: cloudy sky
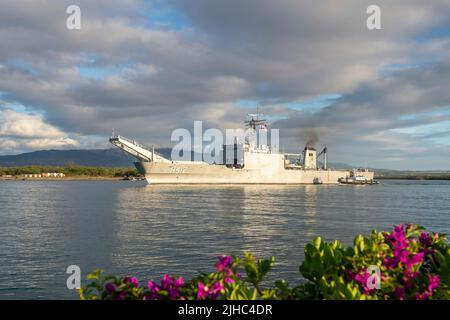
[(378, 98)]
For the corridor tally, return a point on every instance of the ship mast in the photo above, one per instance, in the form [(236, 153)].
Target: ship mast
[(255, 120), (255, 123)]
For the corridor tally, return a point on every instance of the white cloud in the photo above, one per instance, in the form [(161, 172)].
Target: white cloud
[(23, 132), (21, 125)]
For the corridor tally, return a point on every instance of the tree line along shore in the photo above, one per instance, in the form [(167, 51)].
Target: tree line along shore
[(414, 176), (70, 172)]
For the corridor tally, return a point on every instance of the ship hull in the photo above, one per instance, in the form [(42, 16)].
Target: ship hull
[(203, 173)]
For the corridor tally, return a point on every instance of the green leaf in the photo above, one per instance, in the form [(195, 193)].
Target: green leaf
[(317, 242), (252, 271)]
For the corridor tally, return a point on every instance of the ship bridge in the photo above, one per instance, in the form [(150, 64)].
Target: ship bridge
[(137, 150)]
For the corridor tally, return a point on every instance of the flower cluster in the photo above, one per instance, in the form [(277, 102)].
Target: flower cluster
[(433, 284), (117, 289), (225, 274), (408, 256), (402, 257), (134, 281), (225, 267), (169, 288), (406, 263), (210, 293), (367, 280), (114, 292), (211, 286)]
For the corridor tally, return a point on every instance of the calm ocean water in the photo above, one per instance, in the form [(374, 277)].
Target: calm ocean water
[(127, 228)]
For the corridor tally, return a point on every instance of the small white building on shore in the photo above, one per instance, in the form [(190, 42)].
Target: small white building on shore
[(45, 175)]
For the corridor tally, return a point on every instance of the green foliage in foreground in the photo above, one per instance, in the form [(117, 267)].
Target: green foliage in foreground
[(407, 263), (70, 171)]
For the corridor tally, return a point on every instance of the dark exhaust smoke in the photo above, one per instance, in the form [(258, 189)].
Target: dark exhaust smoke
[(312, 137)]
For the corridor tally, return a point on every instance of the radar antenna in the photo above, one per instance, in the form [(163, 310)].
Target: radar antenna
[(255, 120)]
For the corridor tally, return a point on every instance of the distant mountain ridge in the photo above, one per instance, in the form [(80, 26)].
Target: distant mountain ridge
[(111, 158)]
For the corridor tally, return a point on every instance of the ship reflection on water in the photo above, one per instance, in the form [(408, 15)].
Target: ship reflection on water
[(310, 206), (179, 229)]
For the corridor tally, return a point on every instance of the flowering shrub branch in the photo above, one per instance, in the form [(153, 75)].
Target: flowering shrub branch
[(411, 264)]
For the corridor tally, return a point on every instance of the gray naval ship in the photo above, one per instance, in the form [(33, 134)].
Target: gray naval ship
[(254, 164)]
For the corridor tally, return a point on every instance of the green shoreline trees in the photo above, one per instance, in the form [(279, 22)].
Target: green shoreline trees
[(70, 171)]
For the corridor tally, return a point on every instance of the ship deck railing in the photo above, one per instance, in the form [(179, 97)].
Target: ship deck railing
[(140, 145)]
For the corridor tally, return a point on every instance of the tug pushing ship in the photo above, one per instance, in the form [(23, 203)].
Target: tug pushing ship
[(248, 162)]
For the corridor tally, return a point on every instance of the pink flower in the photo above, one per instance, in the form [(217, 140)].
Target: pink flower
[(402, 256), (202, 291), (229, 280), (399, 233), (179, 282), (166, 282), (110, 288), (213, 292), (362, 278), (415, 259), (223, 263), (153, 287), (390, 262), (400, 245), (422, 296), (425, 239), (169, 284), (131, 280), (216, 287), (433, 283)]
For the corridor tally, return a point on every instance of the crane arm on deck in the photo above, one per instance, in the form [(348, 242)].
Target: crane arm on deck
[(137, 150), (325, 160)]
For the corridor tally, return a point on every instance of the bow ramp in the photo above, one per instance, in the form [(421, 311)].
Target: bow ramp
[(137, 150)]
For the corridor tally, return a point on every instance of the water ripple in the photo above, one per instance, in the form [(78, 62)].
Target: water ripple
[(146, 231)]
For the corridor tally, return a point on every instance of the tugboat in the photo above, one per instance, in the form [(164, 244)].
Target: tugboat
[(357, 177), (317, 181), (133, 178)]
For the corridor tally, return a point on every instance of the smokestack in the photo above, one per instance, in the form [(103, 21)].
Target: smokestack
[(309, 158)]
